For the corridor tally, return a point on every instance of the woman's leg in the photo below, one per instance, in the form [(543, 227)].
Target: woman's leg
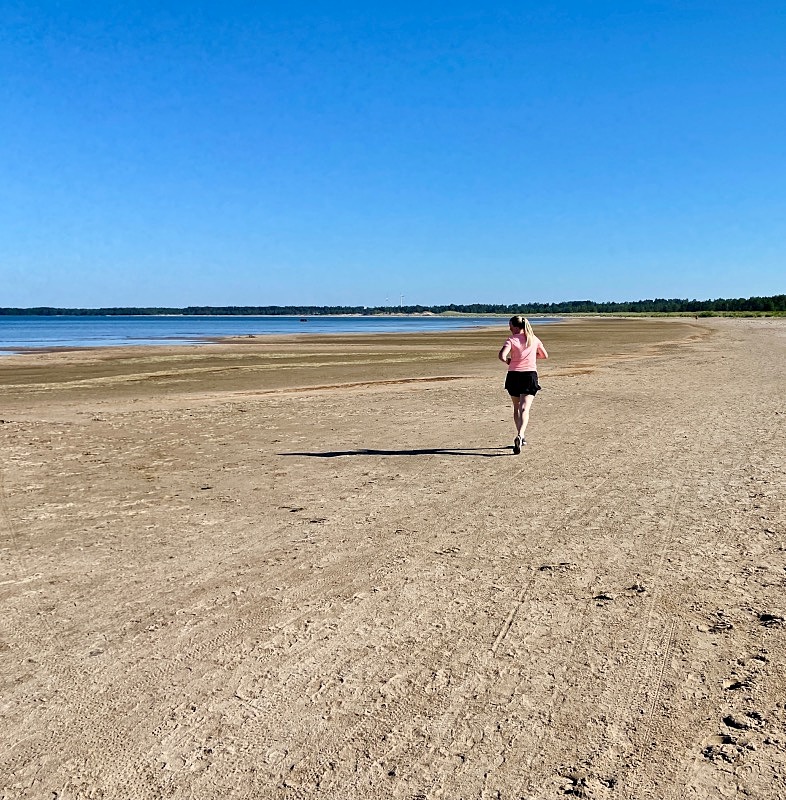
[(517, 413), (524, 405)]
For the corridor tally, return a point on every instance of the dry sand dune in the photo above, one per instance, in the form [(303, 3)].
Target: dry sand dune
[(312, 568)]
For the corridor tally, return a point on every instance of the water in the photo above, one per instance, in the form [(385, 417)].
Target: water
[(24, 333)]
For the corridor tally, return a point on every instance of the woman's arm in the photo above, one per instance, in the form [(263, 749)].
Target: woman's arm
[(541, 351), (504, 353)]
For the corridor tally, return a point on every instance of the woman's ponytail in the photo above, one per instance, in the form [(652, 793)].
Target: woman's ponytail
[(522, 324)]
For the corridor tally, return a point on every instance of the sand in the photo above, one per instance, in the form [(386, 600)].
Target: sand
[(312, 568)]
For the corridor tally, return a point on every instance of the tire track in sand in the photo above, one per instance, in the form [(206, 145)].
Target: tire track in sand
[(98, 733), (644, 684), (652, 678), (577, 513)]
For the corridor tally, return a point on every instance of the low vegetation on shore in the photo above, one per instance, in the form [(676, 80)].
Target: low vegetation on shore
[(774, 305)]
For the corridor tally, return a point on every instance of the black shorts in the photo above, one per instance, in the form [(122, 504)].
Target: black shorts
[(519, 383)]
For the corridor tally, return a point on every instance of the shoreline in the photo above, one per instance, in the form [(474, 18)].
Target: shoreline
[(132, 338), (246, 338), (299, 360), (195, 341)]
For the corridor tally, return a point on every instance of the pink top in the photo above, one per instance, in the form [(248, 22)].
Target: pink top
[(523, 358)]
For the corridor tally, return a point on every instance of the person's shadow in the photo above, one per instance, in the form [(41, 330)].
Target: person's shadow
[(477, 452)]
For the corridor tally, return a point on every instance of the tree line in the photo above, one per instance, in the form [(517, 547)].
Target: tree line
[(771, 304)]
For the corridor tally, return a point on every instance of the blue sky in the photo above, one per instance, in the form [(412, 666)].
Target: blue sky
[(253, 153)]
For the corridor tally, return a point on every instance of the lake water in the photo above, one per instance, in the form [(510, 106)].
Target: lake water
[(24, 333)]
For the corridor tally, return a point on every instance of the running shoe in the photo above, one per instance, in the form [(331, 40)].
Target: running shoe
[(517, 445)]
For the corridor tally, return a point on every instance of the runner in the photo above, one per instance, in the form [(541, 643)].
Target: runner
[(520, 352)]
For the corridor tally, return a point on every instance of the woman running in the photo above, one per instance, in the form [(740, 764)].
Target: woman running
[(520, 352)]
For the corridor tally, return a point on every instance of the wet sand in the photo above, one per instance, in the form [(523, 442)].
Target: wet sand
[(311, 567)]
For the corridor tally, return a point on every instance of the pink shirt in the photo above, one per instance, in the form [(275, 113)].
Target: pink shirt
[(523, 358)]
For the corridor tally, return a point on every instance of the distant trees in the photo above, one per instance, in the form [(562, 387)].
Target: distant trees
[(774, 304)]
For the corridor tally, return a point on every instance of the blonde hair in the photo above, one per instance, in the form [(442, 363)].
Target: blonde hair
[(523, 324)]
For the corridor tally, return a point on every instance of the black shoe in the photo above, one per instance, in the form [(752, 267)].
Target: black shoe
[(517, 445)]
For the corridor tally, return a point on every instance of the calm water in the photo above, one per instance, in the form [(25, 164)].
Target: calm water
[(22, 333)]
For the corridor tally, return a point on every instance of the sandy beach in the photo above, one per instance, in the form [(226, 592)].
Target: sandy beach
[(310, 567)]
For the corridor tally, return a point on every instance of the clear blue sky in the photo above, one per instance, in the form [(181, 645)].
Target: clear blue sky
[(250, 153)]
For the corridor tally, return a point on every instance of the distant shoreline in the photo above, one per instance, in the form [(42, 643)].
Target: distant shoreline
[(57, 333), (771, 305), (755, 305), (418, 315)]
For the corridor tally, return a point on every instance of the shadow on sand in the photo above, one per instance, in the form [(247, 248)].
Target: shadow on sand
[(478, 452)]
